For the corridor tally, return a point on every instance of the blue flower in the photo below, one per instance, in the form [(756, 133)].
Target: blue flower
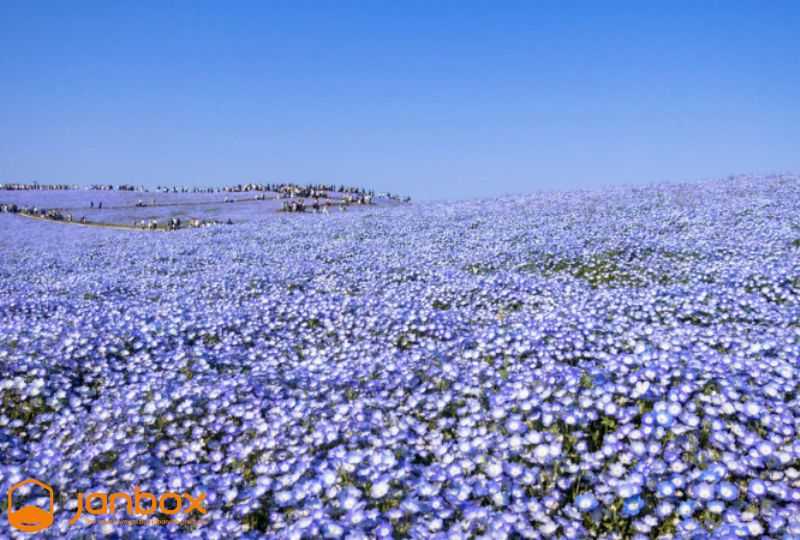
[(586, 502), (665, 488), (727, 491), (756, 488), (632, 506)]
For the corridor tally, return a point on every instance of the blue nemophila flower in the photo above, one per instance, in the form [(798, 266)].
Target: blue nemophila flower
[(632, 506), (628, 490), (379, 488), (703, 491), (665, 488), (687, 508), (727, 491), (586, 502), (716, 506), (765, 448), (665, 509), (756, 488)]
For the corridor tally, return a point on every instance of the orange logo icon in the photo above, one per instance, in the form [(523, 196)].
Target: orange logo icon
[(30, 518)]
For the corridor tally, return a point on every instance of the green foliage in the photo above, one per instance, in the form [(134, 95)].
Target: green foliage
[(598, 430), (259, 519), (440, 305), (103, 461), (313, 323), (211, 339), (26, 410), (479, 269)]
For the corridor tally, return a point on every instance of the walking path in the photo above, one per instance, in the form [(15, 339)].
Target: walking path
[(159, 205)]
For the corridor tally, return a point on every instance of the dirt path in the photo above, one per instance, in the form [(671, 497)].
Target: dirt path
[(161, 228), (158, 205), (333, 200)]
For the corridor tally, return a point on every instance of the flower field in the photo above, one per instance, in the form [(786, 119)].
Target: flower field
[(620, 363)]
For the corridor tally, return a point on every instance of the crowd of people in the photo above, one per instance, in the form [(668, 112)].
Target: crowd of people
[(294, 196), (34, 211), (171, 224), (17, 186), (112, 187), (298, 190), (299, 204), (284, 189)]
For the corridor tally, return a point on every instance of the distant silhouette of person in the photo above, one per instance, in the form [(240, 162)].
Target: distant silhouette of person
[(91, 204)]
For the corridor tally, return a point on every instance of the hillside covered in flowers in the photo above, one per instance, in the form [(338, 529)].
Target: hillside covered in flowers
[(619, 363)]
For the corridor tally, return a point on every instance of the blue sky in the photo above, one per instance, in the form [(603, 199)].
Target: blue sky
[(434, 99)]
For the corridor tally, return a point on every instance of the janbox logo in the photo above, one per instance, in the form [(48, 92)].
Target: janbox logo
[(30, 518), (33, 519)]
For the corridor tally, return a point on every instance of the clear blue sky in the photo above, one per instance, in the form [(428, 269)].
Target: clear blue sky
[(433, 99)]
